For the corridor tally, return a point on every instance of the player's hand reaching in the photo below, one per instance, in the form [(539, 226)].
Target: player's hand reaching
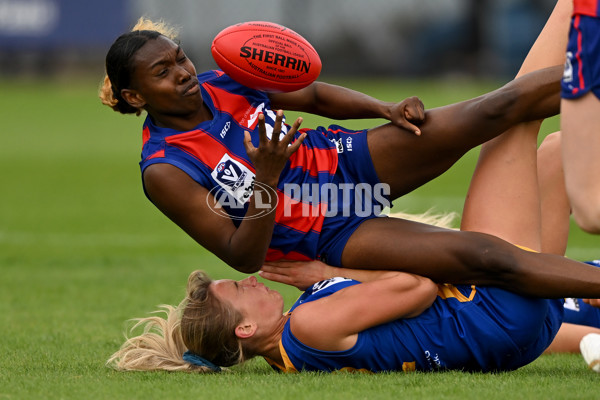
[(301, 274), (270, 156), (408, 114)]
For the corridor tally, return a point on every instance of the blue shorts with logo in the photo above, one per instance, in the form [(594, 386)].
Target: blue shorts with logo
[(360, 194), (580, 313), (582, 67)]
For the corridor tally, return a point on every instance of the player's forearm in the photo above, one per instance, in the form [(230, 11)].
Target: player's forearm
[(247, 247), (338, 102)]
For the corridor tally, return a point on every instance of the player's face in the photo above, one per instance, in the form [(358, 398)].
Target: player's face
[(165, 79), (252, 298)]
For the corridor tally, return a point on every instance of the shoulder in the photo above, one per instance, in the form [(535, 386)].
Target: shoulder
[(323, 289), (311, 323), (217, 79)]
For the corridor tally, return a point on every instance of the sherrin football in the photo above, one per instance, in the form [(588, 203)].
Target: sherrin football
[(266, 56)]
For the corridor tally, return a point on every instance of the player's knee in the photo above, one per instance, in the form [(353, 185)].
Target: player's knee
[(549, 156), (587, 215), (551, 145)]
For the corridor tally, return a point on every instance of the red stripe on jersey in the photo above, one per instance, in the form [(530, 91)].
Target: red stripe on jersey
[(299, 216), (160, 153), (274, 255), (576, 23), (204, 147), (343, 131), (585, 7), (314, 160), (235, 105), (145, 135)]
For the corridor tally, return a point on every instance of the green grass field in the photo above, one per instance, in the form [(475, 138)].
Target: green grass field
[(82, 251)]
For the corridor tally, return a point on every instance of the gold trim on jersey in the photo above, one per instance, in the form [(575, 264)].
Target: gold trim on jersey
[(287, 366), (446, 291)]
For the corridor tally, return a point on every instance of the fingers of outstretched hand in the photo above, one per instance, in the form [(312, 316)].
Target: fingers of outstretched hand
[(262, 130), (279, 274), (290, 136), (300, 274), (277, 126), (248, 142)]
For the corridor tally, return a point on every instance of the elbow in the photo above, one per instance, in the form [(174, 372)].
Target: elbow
[(425, 290), (244, 265), (430, 290), (246, 268)]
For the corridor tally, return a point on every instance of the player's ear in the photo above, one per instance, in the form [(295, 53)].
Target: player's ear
[(245, 330), (133, 98)]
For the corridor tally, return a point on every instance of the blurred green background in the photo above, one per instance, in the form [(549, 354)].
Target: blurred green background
[(82, 250)]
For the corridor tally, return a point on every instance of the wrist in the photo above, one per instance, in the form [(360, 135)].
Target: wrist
[(386, 110), (266, 182), (332, 272)]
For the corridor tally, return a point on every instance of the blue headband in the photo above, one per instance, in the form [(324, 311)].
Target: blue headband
[(195, 359)]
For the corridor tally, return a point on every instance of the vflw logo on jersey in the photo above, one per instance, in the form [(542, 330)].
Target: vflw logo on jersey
[(235, 178), (327, 283)]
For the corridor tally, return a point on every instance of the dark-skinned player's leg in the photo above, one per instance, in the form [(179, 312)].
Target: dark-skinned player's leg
[(405, 161), (461, 257)]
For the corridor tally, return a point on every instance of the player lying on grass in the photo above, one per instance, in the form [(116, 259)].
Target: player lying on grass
[(582, 316), (373, 320), (204, 133)]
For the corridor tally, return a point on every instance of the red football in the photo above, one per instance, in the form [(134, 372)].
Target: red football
[(266, 56)]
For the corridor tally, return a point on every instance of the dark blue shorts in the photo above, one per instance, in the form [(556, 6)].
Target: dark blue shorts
[(582, 67), (360, 194), (580, 313), (530, 325)]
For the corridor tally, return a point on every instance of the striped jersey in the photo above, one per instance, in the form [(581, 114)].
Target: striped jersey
[(213, 154), (586, 7)]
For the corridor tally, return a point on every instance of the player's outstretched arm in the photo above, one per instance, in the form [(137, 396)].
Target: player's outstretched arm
[(340, 103)]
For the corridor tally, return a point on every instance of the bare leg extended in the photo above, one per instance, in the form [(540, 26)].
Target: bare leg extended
[(580, 124), (406, 161), (472, 257), (568, 338), (553, 196), (506, 172)]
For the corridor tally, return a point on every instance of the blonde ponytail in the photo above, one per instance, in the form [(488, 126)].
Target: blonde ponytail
[(430, 218), (159, 348), (201, 325)]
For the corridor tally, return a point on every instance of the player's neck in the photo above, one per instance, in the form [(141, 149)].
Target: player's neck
[(185, 122)]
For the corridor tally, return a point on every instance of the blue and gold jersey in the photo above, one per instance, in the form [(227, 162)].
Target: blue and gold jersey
[(467, 328)]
